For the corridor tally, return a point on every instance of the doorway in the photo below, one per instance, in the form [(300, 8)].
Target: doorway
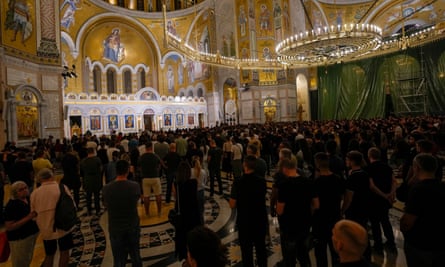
[(201, 120), (148, 122)]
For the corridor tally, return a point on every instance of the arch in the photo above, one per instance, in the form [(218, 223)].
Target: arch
[(127, 81), (203, 88), (200, 92), (378, 10), (134, 70), (302, 92), (119, 16), (147, 93), (190, 93), (69, 41), (172, 53), (111, 81), (25, 114), (402, 24), (181, 92), (192, 25)]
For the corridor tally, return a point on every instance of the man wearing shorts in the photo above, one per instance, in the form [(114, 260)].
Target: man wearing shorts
[(43, 202), (150, 164)]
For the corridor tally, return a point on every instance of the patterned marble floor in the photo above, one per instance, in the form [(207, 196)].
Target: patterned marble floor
[(157, 237)]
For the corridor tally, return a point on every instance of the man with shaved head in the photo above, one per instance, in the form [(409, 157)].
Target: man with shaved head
[(350, 241)]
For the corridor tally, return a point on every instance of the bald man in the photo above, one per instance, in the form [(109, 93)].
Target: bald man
[(350, 241)]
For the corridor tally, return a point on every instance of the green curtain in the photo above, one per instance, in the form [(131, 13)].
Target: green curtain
[(351, 91), (358, 89)]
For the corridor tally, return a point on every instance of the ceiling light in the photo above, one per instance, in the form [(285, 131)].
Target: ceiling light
[(329, 45)]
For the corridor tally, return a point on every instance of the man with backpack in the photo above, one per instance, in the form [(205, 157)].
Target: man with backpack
[(44, 200)]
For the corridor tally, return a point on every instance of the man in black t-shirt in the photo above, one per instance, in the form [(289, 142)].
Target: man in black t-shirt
[(150, 165), (248, 196), (357, 196), (214, 158), (330, 189), (422, 226), (297, 201), (383, 188)]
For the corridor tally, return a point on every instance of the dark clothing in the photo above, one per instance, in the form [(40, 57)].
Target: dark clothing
[(381, 175), (215, 154), (71, 175), (330, 190), (15, 210), (250, 194), (214, 165), (22, 170), (121, 198), (358, 211), (187, 205), (425, 199), (110, 171), (91, 171), (172, 160), (297, 194), (337, 165), (149, 164), (260, 167)]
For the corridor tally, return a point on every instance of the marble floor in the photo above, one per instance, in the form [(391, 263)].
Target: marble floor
[(157, 244)]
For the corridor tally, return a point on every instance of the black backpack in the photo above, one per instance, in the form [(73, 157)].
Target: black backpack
[(66, 213)]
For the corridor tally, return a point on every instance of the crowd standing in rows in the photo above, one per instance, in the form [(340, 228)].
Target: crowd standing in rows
[(325, 171)]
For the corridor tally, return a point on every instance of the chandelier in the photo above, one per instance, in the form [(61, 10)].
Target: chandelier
[(317, 47), (329, 45)]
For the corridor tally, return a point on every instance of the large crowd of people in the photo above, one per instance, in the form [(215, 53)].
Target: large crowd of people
[(323, 172)]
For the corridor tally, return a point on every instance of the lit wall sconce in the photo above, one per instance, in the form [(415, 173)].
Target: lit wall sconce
[(69, 72)]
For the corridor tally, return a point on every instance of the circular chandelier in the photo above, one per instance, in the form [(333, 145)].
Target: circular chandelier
[(329, 45)]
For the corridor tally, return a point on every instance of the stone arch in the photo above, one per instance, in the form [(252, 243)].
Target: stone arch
[(25, 110)]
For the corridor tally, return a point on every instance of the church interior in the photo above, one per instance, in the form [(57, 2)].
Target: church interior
[(69, 67)]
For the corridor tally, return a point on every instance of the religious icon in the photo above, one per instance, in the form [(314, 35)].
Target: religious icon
[(167, 120), (112, 122), (95, 122), (179, 119), (129, 121), (191, 119), (113, 49), (27, 122)]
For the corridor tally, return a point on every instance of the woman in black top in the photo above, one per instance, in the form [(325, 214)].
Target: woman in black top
[(21, 229)]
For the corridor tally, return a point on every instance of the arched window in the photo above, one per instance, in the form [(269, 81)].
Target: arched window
[(190, 93), (97, 80), (127, 82), (200, 92), (141, 78), (111, 81)]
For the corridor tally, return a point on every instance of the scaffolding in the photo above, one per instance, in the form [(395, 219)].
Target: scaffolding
[(412, 91)]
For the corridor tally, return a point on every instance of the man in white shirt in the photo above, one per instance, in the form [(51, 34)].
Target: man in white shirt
[(43, 202)]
